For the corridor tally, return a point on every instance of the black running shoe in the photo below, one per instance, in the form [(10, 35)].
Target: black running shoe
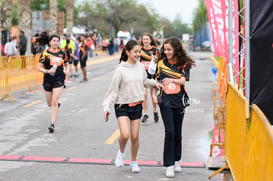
[(145, 118), (59, 104), (51, 128), (156, 118)]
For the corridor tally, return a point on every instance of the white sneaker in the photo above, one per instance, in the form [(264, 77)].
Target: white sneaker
[(119, 159), (134, 167), (177, 167), (170, 171)]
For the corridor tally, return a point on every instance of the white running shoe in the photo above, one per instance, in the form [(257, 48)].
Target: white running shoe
[(119, 159), (177, 167), (170, 171), (134, 167)]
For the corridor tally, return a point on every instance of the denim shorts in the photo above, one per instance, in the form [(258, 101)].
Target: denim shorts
[(132, 111)]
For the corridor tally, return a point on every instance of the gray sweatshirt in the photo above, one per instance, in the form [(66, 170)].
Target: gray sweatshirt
[(127, 85)]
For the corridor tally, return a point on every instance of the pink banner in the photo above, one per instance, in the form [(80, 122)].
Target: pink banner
[(217, 11), (216, 21)]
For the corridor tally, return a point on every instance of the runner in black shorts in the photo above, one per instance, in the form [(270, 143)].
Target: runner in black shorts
[(83, 57), (127, 91), (51, 63), (148, 52)]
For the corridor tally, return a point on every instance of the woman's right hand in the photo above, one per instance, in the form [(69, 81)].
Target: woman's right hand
[(106, 114)]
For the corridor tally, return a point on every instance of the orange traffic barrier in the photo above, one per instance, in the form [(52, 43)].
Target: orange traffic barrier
[(17, 73), (258, 164)]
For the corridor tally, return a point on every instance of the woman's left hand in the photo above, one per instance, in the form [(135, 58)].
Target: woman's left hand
[(167, 81)]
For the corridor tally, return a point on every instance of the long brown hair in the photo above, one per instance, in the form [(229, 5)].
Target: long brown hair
[(153, 43), (180, 54)]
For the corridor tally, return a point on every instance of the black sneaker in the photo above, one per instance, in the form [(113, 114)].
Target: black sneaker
[(156, 118), (51, 128), (59, 104), (145, 118)]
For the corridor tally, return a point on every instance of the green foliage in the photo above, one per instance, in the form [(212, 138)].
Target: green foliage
[(200, 16), (14, 15), (39, 5)]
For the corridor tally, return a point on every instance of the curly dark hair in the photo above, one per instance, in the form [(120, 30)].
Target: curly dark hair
[(180, 54), (43, 39)]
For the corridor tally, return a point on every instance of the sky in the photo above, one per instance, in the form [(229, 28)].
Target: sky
[(170, 8)]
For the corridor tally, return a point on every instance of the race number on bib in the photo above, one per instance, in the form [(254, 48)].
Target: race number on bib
[(172, 88), (56, 60)]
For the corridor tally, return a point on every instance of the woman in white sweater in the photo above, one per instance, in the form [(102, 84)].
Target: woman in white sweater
[(127, 92)]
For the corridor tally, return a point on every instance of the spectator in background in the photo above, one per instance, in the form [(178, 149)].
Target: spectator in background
[(91, 47), (35, 46), (76, 58), (83, 57), (10, 49), (111, 46), (22, 43), (22, 48)]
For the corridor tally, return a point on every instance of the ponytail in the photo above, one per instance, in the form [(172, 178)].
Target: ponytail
[(123, 56), (129, 46)]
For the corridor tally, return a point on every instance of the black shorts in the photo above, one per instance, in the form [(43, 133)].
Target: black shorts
[(70, 60), (83, 62), (133, 112), (75, 62), (51, 83)]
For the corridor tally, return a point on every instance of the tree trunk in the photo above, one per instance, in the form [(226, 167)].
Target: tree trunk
[(69, 16), (53, 15), (9, 14), (24, 20)]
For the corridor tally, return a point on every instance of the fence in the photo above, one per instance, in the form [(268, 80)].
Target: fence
[(17, 73), (248, 140), (237, 114), (258, 164)]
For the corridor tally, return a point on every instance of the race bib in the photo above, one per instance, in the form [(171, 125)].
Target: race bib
[(56, 60), (146, 64), (172, 88)]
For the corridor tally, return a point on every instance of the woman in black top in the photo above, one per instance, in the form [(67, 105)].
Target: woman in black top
[(173, 70), (53, 63), (149, 51)]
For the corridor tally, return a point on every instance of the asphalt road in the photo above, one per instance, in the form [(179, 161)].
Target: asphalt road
[(81, 132)]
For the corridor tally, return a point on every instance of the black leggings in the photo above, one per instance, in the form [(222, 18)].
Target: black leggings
[(173, 120)]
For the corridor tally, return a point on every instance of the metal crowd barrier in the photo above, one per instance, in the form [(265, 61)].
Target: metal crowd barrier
[(258, 164), (17, 73)]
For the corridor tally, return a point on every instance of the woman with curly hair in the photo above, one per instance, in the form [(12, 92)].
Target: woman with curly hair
[(173, 70)]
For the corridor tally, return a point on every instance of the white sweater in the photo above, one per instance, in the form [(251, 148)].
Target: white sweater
[(127, 85)]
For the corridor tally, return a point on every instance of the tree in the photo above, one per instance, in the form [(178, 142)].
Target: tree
[(69, 16), (8, 21), (180, 28), (200, 16), (53, 15)]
